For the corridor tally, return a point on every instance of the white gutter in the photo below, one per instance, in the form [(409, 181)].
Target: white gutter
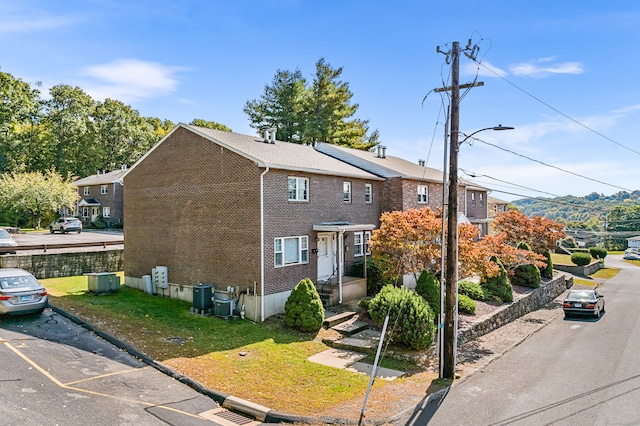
[(340, 262), (262, 244)]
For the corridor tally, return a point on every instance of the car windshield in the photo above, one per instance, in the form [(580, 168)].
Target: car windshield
[(578, 294), (4, 234), (18, 281)]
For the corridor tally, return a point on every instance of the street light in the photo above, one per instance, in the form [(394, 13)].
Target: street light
[(451, 270)]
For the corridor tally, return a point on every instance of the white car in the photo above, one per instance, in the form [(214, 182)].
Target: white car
[(21, 293), (66, 224), (6, 240)]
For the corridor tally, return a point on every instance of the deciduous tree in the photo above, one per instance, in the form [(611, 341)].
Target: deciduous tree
[(539, 232)]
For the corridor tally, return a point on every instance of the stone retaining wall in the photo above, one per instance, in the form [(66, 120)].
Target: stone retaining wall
[(514, 310), (53, 265), (584, 271)]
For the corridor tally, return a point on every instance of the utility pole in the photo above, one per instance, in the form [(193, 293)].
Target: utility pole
[(451, 304)]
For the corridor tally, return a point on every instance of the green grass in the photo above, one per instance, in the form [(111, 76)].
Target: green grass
[(265, 363)]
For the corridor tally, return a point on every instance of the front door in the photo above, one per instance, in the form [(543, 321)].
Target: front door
[(326, 255)]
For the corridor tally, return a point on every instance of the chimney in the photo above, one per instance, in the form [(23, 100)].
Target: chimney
[(384, 151)]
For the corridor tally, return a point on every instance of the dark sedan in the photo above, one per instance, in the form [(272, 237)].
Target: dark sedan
[(588, 302)]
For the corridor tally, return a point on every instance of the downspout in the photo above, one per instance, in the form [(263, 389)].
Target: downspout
[(262, 244), (340, 262)]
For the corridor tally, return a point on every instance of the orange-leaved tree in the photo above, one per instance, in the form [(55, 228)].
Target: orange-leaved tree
[(539, 232)]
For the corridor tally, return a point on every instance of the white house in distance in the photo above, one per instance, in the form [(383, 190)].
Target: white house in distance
[(634, 242)]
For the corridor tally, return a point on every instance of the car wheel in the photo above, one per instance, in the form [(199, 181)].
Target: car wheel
[(79, 231), (603, 308), (51, 230), (63, 231), (597, 313)]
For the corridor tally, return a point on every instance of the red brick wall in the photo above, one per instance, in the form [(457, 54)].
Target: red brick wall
[(194, 207)]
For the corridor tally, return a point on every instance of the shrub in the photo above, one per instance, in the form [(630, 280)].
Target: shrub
[(568, 242), (598, 252), (410, 317), (471, 289), (375, 277), (581, 258), (547, 271), (526, 275), (428, 287), (466, 305), (498, 288), (303, 309), (364, 303)]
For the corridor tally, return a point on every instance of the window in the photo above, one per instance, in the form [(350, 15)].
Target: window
[(103, 189), (361, 243), (481, 200), (106, 211), (346, 192), (423, 194), (298, 189), (291, 251), (473, 199), (86, 190), (368, 193)]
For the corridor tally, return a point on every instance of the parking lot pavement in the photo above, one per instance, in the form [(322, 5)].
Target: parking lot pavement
[(87, 236), (57, 364)]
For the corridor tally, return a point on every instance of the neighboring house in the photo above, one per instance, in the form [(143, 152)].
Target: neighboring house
[(633, 242), (410, 185), (248, 214), (101, 195), (496, 206)]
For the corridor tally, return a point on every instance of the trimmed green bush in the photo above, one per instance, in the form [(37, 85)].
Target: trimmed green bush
[(581, 258), (526, 275), (466, 305), (428, 287), (410, 317), (498, 288), (303, 309), (598, 252), (375, 277), (547, 271), (471, 289)]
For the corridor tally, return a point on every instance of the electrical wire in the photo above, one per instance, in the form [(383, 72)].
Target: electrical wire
[(472, 174), (552, 166)]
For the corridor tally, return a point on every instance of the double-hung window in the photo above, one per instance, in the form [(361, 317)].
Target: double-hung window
[(85, 190), (106, 211), (103, 189), (423, 194), (346, 192), (473, 199), (298, 189), (368, 193), (291, 251), (361, 243), (481, 201)]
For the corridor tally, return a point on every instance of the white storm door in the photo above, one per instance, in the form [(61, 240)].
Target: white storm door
[(326, 256)]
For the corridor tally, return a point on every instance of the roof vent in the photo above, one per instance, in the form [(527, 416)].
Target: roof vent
[(266, 134), (421, 163), (384, 152), (273, 135)]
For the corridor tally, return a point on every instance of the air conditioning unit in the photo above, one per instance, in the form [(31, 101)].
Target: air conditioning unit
[(160, 276), (224, 308)]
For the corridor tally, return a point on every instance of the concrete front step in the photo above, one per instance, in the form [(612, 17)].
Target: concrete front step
[(365, 341), (351, 327), (334, 319)]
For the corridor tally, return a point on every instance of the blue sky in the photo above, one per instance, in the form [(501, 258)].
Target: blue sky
[(563, 73)]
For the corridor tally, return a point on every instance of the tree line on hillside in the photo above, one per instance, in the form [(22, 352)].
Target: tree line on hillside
[(594, 219), (71, 135)]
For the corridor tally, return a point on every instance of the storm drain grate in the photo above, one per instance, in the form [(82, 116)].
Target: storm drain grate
[(233, 417)]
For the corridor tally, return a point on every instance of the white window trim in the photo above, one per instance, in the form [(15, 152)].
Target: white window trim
[(473, 199), (481, 200), (298, 197), (106, 212), (85, 190), (346, 191), (104, 189), (279, 249), (423, 194), (368, 193), (361, 242)]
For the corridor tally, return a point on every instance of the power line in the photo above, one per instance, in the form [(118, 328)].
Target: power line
[(558, 111), (472, 174), (552, 166)]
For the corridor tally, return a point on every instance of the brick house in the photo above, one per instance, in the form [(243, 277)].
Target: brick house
[(101, 195), (410, 185), (496, 206), (251, 216)]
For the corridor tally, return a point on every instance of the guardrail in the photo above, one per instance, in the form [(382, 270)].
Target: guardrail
[(46, 247)]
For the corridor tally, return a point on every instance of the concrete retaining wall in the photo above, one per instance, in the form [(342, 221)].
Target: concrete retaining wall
[(53, 265), (584, 271), (508, 313)]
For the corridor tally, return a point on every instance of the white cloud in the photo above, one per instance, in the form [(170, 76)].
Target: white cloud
[(484, 69), (16, 18), (130, 80), (545, 67)]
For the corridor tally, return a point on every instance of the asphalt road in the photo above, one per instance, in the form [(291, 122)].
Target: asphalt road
[(54, 372), (86, 236), (577, 371)]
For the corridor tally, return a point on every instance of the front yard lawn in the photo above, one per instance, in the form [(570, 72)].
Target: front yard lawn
[(265, 363)]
